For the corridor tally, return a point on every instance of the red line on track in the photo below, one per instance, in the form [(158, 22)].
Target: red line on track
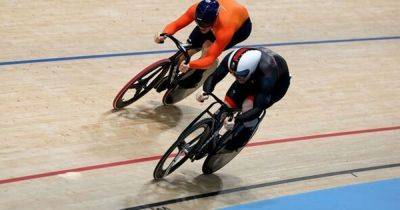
[(152, 158), (319, 136)]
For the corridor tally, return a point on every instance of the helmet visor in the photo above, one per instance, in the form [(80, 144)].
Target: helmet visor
[(242, 74)]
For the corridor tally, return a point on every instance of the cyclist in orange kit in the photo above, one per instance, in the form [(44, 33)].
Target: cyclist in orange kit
[(221, 24)]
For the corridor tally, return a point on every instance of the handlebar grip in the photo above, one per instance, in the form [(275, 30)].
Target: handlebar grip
[(164, 35)]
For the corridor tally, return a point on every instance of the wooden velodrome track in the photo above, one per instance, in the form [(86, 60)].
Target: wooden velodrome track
[(61, 146)]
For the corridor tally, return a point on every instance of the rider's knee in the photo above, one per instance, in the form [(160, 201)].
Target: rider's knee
[(248, 104), (206, 45)]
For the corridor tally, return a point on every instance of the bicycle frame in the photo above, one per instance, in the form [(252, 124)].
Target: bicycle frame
[(165, 72), (203, 144), (173, 71), (216, 120), (173, 67)]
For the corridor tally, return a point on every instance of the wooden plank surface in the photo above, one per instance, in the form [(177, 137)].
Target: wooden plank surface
[(56, 116)]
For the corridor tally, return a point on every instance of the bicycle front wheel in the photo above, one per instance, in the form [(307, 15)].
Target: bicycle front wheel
[(183, 148), (141, 84)]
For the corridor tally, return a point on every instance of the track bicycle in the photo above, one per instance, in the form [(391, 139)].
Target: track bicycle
[(205, 137), (164, 72)]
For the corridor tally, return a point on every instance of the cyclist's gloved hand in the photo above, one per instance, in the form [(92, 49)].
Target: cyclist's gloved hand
[(201, 97), (183, 68), (159, 38), (229, 123)]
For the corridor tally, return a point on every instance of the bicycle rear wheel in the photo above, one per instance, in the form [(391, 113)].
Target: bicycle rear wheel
[(183, 148), (223, 154), (216, 161), (187, 84), (141, 84)]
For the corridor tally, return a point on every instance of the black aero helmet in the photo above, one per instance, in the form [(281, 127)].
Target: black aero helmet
[(206, 12)]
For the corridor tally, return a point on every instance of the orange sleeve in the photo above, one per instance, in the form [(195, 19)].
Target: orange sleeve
[(222, 40), (182, 21)]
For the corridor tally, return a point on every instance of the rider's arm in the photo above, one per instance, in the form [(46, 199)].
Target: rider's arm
[(222, 40), (217, 76), (182, 21)]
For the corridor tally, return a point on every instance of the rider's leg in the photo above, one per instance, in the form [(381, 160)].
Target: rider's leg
[(248, 104), (236, 94), (204, 49), (206, 46), (200, 42), (196, 39), (245, 130), (193, 78), (191, 52), (163, 85)]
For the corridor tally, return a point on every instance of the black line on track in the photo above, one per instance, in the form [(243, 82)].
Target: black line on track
[(266, 184)]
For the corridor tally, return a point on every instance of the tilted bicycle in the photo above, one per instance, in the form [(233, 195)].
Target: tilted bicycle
[(154, 75), (204, 137)]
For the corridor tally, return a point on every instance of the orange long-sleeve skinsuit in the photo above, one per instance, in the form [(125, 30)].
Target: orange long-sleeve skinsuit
[(230, 18)]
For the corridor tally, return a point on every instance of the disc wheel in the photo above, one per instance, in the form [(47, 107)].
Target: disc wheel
[(216, 161), (222, 156)]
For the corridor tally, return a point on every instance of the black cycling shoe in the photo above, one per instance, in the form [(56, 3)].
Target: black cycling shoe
[(162, 85)]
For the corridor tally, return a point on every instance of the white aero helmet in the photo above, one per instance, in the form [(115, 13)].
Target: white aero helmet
[(243, 62)]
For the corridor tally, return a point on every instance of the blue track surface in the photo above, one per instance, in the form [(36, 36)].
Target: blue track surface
[(99, 56), (382, 195)]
